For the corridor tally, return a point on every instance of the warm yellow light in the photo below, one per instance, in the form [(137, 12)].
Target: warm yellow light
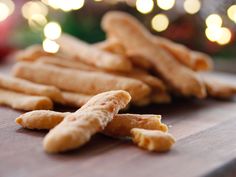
[(97, 0), (50, 46), (65, 5), (144, 6), (165, 4), (76, 4), (10, 4), (214, 20), (34, 7), (232, 12), (213, 33), (192, 6), (225, 36), (4, 11), (52, 30), (37, 21), (160, 22)]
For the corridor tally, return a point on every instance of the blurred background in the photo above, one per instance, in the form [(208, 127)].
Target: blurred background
[(205, 25)]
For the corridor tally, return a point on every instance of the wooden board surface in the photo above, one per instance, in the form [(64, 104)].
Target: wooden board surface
[(206, 146)]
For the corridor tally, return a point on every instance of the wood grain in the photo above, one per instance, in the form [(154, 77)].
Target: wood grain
[(206, 146)]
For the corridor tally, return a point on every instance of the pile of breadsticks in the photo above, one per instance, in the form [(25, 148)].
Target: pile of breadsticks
[(101, 79)]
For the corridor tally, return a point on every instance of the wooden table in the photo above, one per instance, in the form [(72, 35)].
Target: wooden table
[(206, 146)]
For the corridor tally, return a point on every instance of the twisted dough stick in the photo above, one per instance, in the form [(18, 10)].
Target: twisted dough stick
[(24, 102), (136, 39), (27, 87), (86, 82), (136, 73), (77, 128), (152, 140), (120, 125), (92, 55), (31, 53)]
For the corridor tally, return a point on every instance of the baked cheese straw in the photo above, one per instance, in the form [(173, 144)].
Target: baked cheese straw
[(152, 140), (76, 129), (136, 39), (31, 53), (85, 82), (91, 55), (195, 60), (27, 87), (218, 87), (139, 74), (120, 125), (75, 99), (24, 102)]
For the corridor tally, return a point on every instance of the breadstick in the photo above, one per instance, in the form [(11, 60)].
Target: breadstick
[(136, 39), (85, 82), (76, 129), (24, 102), (192, 59), (218, 88), (27, 87), (152, 140), (75, 99), (120, 125), (91, 55), (31, 53), (160, 97), (136, 73)]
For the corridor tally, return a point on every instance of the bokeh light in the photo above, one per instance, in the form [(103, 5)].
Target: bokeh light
[(65, 5), (160, 22), (192, 6), (214, 20), (144, 6), (165, 4), (225, 36), (37, 21), (213, 33), (7, 7), (52, 30), (232, 12), (50, 46), (34, 7)]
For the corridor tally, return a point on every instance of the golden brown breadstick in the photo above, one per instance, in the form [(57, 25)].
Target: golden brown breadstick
[(152, 140), (137, 39), (91, 55), (136, 73), (86, 82), (27, 87), (120, 125), (160, 97), (24, 102), (195, 60), (75, 99), (77, 128), (31, 53), (218, 87)]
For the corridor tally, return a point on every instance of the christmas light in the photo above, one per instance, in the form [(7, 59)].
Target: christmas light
[(192, 6), (37, 21), (144, 6), (225, 36), (165, 4), (160, 22), (214, 20), (232, 13), (65, 5), (213, 33), (34, 7), (7, 7), (50, 46), (52, 30)]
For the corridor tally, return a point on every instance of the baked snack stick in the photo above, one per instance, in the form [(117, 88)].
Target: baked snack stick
[(85, 82), (136, 39), (27, 87), (218, 87), (195, 60), (76, 129), (31, 53), (136, 73), (24, 102), (91, 55), (75, 99), (152, 140), (119, 126)]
